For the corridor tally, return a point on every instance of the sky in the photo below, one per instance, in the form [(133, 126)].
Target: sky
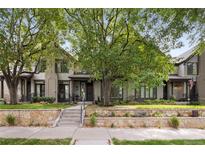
[(186, 46), (179, 51)]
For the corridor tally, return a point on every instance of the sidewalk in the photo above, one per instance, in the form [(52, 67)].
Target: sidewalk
[(91, 136)]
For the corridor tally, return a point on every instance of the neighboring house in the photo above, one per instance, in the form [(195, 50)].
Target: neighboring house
[(182, 85), (67, 82), (201, 78)]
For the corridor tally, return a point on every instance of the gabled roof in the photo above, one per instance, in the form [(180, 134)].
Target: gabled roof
[(186, 55)]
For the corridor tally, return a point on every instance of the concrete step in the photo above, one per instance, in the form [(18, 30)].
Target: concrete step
[(65, 125), (70, 118), (68, 123), (76, 110), (71, 114)]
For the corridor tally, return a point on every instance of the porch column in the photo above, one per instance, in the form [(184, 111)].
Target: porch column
[(25, 90), (71, 90)]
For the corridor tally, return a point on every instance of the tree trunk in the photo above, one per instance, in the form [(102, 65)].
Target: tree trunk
[(106, 92), (13, 94), (13, 90)]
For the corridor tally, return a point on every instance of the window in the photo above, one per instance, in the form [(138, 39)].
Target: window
[(146, 93), (61, 66), (116, 92), (40, 88), (63, 91), (191, 68), (41, 66)]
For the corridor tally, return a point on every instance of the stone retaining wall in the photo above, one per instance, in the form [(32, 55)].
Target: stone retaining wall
[(137, 122), (30, 117), (101, 112)]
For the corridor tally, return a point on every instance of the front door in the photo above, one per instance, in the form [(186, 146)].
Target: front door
[(89, 91), (63, 92)]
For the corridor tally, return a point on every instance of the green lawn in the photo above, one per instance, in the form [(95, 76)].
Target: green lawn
[(23, 141), (161, 106), (159, 142), (35, 106)]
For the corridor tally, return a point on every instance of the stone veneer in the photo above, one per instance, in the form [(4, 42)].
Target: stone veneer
[(102, 112), (30, 117), (138, 122)]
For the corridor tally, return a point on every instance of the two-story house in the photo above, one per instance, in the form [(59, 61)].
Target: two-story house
[(64, 80)]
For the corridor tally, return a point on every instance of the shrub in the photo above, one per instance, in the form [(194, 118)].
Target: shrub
[(112, 114), (195, 103), (11, 120), (43, 99), (93, 120), (126, 114), (112, 125), (157, 114), (95, 114), (2, 101), (174, 122), (131, 126), (159, 102)]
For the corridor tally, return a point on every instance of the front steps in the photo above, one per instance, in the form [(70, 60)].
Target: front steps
[(70, 118)]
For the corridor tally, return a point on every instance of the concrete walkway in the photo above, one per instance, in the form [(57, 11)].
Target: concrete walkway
[(89, 136)]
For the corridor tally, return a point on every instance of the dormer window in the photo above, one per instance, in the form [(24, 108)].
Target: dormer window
[(41, 66), (192, 68), (61, 66)]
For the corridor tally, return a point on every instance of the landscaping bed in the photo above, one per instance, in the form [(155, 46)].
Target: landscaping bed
[(160, 142), (146, 111), (130, 116), (23, 141), (28, 117)]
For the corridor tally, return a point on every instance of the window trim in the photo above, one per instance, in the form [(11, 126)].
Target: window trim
[(60, 62), (39, 67), (64, 82), (154, 94), (35, 86), (122, 90), (192, 68)]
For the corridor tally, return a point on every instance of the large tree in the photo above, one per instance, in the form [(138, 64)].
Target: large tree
[(25, 36), (112, 48), (170, 28)]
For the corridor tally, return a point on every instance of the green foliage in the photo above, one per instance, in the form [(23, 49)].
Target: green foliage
[(160, 102), (112, 125), (195, 103), (24, 141), (95, 114), (11, 120), (160, 142), (93, 120), (127, 114), (157, 114), (174, 122), (49, 100), (26, 37), (111, 49), (112, 114), (35, 106), (2, 101)]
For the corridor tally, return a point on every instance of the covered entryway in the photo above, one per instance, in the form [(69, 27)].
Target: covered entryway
[(178, 88), (82, 86)]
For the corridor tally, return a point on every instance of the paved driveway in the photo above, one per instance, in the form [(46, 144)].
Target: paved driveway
[(100, 135)]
